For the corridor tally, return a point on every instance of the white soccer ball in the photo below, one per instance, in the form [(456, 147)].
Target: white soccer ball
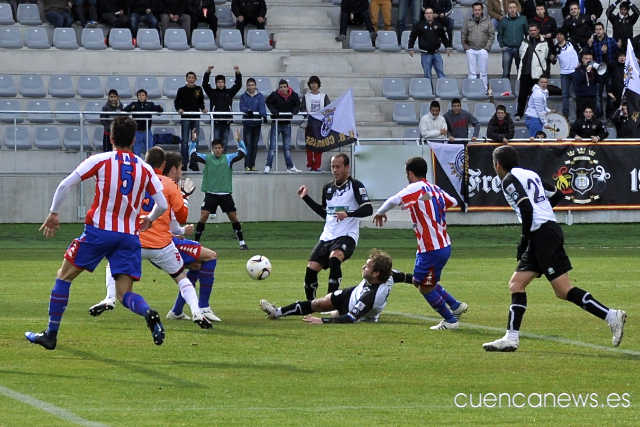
[(258, 267)]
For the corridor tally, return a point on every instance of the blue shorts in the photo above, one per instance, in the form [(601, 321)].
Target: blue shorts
[(429, 266), (121, 250), (189, 249)]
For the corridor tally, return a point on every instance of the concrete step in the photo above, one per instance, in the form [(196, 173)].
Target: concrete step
[(321, 64), (307, 16)]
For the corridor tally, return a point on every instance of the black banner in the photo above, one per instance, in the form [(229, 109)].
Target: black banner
[(603, 175), (320, 137)]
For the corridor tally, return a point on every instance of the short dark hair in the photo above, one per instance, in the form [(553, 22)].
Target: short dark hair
[(381, 263), (456, 101), (283, 82), (434, 104), (172, 160), (561, 31), (501, 108), (217, 141), (599, 24), (251, 79), (155, 157), (542, 4), (112, 92), (220, 77), (624, 4), (428, 7), (141, 91), (418, 166), (344, 157), (477, 4), (534, 24), (586, 52), (540, 134), (507, 156), (123, 131), (313, 79), (574, 2), (190, 72)]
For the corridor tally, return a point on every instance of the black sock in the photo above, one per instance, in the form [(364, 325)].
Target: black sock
[(199, 230), (298, 308), (310, 284), (516, 310), (237, 228), (335, 274), (585, 301)]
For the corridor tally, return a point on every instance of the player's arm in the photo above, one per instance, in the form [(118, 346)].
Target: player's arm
[(198, 157), (515, 191), (63, 190), (238, 155), (552, 193), (159, 207), (179, 207), (321, 210), (359, 310), (362, 198), (400, 277)]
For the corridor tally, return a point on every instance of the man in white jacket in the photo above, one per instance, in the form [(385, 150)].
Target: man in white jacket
[(432, 124), (534, 51), (537, 108)]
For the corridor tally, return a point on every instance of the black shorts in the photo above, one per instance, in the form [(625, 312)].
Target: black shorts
[(340, 300), (322, 250), (212, 201), (545, 253)]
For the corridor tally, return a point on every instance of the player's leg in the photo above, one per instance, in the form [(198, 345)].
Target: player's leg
[(229, 207), (208, 260), (341, 250), (190, 251), (298, 308), (209, 206), (109, 301), (318, 260), (457, 307), (426, 275)]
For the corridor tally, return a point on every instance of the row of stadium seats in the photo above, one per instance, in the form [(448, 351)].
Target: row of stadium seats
[(61, 86), (446, 88)]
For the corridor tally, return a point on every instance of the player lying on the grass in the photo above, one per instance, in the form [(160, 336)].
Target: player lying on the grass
[(111, 228), (540, 250), (157, 241), (427, 204), (364, 302)]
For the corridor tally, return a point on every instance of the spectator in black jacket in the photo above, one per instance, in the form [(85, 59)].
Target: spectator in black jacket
[(203, 11), (220, 100), (501, 127), (579, 27), (188, 103), (143, 134), (615, 80), (114, 13), (585, 80), (430, 35), (591, 8), (588, 128), (441, 11), (249, 12), (625, 127), (355, 9), (175, 11), (283, 100), (146, 11), (547, 24), (623, 22), (528, 8)]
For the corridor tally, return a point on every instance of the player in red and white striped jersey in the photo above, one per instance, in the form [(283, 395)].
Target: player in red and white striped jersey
[(427, 204)]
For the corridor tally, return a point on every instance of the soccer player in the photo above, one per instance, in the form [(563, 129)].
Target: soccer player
[(344, 202), (364, 302), (111, 228), (217, 184), (540, 250), (427, 204), (157, 241)]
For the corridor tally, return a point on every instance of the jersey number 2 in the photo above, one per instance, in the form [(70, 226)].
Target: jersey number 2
[(537, 197)]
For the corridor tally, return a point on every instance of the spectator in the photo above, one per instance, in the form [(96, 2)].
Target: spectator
[(146, 11), (374, 9), (312, 102), (189, 100), (175, 11), (477, 37), (57, 13), (605, 50), (355, 9), (441, 11), (252, 104), (590, 8), (625, 127), (403, 8), (528, 9), (587, 127), (537, 107), (203, 11), (249, 12), (501, 128), (432, 124), (430, 35), (547, 25), (114, 13), (93, 13), (497, 9), (512, 30), (221, 100), (534, 51), (283, 100), (585, 79), (615, 80), (578, 27), (458, 121), (623, 23), (566, 54), (143, 134), (112, 105)]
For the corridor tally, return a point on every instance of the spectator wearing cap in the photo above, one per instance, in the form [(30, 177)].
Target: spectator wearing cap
[(312, 102), (566, 55), (221, 100)]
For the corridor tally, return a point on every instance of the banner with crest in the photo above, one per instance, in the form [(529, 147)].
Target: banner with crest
[(333, 126), (631, 94)]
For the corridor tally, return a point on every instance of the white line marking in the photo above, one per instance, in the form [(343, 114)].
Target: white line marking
[(524, 334), (48, 407)]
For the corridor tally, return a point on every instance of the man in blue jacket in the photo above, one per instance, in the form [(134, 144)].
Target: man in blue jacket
[(252, 104), (143, 134)]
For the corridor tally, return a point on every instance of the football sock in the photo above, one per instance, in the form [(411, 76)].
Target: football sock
[(516, 310), (110, 283), (188, 292), (298, 308), (193, 275), (335, 274), (178, 306), (207, 278), (310, 284), (57, 306), (448, 298), (135, 303), (199, 230), (438, 304), (237, 229), (585, 301)]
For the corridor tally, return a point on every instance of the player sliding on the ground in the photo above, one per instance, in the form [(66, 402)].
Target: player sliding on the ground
[(364, 302), (540, 250), (427, 204)]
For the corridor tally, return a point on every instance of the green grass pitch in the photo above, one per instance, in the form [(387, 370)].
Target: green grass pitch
[(251, 371)]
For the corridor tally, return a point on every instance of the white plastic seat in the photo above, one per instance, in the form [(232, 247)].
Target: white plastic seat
[(420, 88), (120, 39), (70, 118), (264, 85), (10, 105), (394, 88), (360, 41), (483, 111), (90, 87), (47, 138), (121, 84), (7, 86), (500, 88), (225, 17), (17, 138), (37, 38), (10, 38), (176, 39), (473, 89), (231, 40), (31, 86), (93, 39), (61, 87), (6, 14), (94, 108), (148, 83), (171, 85), (65, 38), (72, 138), (457, 41), (28, 14), (387, 41), (148, 39), (404, 41), (447, 88), (258, 40), (39, 105), (404, 113), (203, 39)]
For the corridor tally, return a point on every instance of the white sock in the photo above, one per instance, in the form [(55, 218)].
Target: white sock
[(110, 283), (513, 335), (188, 292), (241, 242), (611, 316)]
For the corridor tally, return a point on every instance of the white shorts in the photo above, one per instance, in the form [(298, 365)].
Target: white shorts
[(167, 259)]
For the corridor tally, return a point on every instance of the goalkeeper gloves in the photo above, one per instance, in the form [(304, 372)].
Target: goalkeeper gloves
[(187, 188)]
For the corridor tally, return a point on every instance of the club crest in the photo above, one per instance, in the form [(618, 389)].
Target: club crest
[(327, 122)]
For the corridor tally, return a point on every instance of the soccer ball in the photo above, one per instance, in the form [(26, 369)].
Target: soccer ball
[(258, 267)]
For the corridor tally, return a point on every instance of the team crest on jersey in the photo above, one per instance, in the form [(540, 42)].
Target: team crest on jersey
[(581, 179), (327, 122)]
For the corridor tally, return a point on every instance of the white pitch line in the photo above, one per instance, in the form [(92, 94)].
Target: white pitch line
[(524, 334), (48, 407)]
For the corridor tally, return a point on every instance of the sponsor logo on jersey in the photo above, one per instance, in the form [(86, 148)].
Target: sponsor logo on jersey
[(510, 188), (338, 292), (550, 270), (581, 179)]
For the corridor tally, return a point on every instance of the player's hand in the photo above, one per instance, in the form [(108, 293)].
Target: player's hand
[(595, 139), (181, 111), (411, 53), (303, 191), (379, 220), (145, 223), (50, 225), (340, 215), (260, 19), (187, 188), (237, 135), (522, 247), (312, 320), (188, 229)]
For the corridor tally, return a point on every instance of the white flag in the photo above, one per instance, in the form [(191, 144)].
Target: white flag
[(452, 160), (333, 126)]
